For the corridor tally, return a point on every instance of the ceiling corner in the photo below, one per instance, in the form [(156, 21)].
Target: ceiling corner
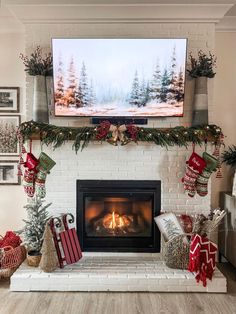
[(227, 24)]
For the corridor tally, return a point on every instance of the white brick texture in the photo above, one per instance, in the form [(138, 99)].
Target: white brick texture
[(114, 273), (97, 162)]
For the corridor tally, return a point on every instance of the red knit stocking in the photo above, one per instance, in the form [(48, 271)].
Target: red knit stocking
[(29, 182), (189, 180), (203, 178), (194, 167)]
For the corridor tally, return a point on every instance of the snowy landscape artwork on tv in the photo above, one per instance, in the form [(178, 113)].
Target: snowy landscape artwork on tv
[(119, 77)]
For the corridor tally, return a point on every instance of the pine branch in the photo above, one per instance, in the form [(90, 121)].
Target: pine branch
[(229, 156), (202, 66), (82, 136)]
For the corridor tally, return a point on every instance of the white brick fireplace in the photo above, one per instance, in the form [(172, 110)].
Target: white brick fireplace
[(131, 162), (104, 161)]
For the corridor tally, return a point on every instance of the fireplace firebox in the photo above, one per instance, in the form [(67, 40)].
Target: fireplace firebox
[(117, 216)]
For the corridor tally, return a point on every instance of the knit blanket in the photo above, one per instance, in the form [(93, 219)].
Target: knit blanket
[(202, 258)]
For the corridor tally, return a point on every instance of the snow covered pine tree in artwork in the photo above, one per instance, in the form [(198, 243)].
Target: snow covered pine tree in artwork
[(135, 92), (140, 94), (165, 83), (92, 95), (165, 86), (83, 94), (59, 92), (173, 87), (78, 92), (180, 86), (144, 92), (155, 85), (70, 96)]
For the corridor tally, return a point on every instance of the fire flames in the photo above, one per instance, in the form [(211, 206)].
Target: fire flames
[(114, 221)]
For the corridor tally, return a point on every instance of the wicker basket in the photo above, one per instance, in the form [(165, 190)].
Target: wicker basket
[(176, 252), (11, 260), (33, 260)]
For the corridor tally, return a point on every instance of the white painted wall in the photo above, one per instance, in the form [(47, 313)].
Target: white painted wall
[(12, 74), (224, 113)]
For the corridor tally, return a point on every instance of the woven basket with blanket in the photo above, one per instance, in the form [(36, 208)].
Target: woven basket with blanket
[(12, 254)]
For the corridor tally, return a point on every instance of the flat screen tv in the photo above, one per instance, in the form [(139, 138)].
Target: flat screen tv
[(119, 77)]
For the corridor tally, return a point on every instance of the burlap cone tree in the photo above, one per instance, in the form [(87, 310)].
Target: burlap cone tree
[(49, 260)]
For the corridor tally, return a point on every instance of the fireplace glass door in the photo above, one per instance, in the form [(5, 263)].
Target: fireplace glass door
[(118, 216)]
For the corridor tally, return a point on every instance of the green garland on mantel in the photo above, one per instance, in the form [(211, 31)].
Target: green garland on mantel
[(180, 136)]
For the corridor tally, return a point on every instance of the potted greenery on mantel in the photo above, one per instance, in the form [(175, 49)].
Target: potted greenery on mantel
[(39, 67), (201, 68)]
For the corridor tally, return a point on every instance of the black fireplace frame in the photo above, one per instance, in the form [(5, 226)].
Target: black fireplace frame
[(117, 244)]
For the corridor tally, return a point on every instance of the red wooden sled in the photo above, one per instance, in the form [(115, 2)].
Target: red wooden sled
[(66, 242)]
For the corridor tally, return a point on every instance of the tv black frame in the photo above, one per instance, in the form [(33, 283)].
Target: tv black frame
[(109, 118)]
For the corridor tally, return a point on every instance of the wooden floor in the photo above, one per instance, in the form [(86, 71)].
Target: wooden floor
[(119, 303)]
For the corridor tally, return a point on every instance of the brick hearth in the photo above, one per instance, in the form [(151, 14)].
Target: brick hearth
[(114, 272)]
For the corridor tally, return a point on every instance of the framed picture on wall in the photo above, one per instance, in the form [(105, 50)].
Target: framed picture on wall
[(9, 99), (8, 140), (8, 172)]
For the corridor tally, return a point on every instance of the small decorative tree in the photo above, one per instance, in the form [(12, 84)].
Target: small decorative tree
[(49, 260), (35, 224)]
